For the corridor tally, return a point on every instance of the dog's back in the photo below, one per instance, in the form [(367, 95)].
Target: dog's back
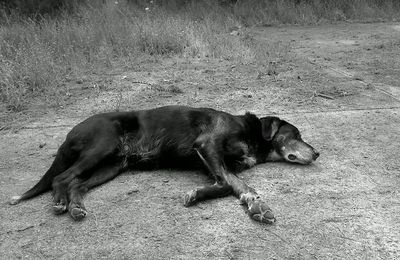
[(166, 136)]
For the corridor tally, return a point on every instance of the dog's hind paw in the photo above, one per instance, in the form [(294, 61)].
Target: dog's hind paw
[(14, 200), (190, 198), (59, 208), (259, 210), (77, 213)]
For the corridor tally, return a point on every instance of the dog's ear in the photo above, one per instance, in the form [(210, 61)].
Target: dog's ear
[(270, 125)]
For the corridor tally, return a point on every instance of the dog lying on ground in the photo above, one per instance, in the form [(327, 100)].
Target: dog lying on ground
[(104, 145)]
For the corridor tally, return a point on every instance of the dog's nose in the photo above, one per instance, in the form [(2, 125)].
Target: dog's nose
[(316, 155)]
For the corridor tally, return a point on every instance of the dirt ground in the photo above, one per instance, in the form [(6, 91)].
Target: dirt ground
[(339, 84)]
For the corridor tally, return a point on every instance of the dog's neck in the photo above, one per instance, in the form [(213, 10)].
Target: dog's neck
[(263, 149)]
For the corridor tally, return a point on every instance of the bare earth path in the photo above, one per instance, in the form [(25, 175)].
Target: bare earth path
[(338, 83)]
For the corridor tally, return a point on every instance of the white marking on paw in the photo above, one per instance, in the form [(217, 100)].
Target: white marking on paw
[(15, 199)]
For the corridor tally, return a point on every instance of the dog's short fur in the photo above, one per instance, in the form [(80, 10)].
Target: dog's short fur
[(104, 145)]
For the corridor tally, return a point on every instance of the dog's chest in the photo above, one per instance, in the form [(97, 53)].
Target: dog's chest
[(249, 160), (246, 161), (240, 155)]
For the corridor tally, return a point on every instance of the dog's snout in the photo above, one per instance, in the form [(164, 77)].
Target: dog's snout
[(315, 155)]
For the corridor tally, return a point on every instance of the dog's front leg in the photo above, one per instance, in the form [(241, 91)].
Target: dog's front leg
[(256, 207), (205, 148), (208, 153), (217, 190)]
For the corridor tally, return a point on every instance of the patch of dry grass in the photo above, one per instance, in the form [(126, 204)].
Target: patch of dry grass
[(315, 11), (37, 56)]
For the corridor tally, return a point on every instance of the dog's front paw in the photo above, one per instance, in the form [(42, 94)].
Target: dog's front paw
[(259, 210), (190, 198), (77, 212)]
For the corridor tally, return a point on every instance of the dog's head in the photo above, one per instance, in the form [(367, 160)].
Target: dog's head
[(286, 142)]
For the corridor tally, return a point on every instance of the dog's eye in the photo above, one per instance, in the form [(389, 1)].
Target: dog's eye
[(292, 157)]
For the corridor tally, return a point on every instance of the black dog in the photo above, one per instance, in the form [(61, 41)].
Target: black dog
[(104, 145)]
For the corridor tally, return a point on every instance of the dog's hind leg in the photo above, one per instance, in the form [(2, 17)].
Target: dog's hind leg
[(87, 161), (79, 187)]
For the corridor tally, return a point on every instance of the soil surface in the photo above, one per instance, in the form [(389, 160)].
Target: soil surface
[(339, 84)]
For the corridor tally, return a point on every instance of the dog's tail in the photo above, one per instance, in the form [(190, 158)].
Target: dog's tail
[(44, 184)]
